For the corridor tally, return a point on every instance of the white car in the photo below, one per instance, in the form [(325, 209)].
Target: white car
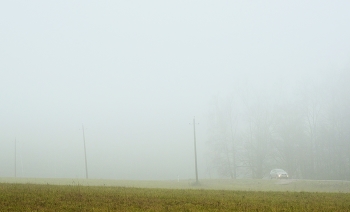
[(278, 174)]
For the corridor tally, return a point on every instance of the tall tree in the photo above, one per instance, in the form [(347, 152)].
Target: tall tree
[(222, 136), (259, 136), (290, 138)]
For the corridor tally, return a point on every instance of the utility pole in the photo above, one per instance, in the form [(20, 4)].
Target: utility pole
[(15, 158), (86, 170), (195, 148)]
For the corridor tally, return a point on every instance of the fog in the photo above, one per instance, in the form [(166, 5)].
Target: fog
[(136, 73)]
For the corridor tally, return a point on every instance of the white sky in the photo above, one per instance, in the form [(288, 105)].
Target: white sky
[(136, 72)]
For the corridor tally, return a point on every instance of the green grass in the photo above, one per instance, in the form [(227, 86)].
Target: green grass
[(44, 197)]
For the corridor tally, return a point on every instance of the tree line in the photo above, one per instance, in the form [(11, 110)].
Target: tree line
[(305, 132)]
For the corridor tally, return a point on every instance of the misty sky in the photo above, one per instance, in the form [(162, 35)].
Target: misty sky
[(136, 72)]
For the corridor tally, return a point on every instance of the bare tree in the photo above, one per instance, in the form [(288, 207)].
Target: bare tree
[(222, 136), (289, 129), (335, 134), (259, 137)]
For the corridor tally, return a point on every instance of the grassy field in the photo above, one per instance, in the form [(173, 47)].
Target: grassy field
[(211, 195), (240, 184)]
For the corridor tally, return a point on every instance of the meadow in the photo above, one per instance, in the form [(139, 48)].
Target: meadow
[(211, 195)]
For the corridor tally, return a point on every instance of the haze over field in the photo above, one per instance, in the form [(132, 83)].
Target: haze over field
[(136, 73)]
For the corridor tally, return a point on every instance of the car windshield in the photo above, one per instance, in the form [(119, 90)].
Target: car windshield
[(280, 170)]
